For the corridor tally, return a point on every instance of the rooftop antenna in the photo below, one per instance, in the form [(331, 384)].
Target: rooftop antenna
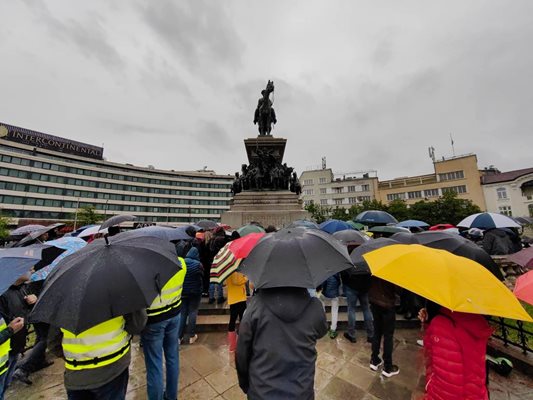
[(324, 162), (431, 151), (453, 148)]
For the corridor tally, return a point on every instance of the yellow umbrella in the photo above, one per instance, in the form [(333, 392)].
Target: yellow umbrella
[(454, 282)]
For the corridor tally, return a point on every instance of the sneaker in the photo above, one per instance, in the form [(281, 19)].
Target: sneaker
[(390, 371), (350, 337), (22, 376), (420, 342), (375, 364), (193, 339), (332, 334)]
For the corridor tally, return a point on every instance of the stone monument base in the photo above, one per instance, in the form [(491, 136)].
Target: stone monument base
[(277, 208)]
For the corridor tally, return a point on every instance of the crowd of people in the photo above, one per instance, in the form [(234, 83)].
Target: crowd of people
[(289, 319)]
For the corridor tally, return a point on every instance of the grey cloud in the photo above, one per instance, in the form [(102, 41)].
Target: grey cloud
[(212, 136), (88, 36), (199, 32), (158, 74)]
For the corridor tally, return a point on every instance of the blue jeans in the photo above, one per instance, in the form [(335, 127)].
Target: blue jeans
[(6, 377), (212, 290), (352, 296), (157, 338), (114, 390), (189, 311)]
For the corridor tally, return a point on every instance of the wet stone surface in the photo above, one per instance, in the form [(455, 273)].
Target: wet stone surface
[(208, 372)]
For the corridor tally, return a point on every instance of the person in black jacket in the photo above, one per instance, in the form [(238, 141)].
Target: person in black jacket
[(276, 349), (191, 296)]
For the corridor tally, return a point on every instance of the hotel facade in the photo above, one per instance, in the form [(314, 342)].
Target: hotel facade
[(48, 178)]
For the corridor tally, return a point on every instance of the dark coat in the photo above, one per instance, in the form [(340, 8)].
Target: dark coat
[(497, 242), (13, 305), (382, 293), (192, 285), (330, 287), (276, 351)]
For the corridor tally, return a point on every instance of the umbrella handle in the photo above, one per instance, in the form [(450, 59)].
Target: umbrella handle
[(157, 280)]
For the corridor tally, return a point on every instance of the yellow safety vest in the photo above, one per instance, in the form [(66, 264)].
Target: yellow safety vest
[(170, 296), (4, 349), (96, 347)]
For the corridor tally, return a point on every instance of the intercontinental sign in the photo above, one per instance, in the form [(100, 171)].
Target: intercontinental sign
[(49, 142)]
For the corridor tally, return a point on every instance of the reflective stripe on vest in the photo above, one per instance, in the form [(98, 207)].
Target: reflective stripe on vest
[(4, 349), (96, 347), (170, 296)]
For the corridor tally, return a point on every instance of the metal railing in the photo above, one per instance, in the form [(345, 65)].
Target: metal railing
[(513, 333)]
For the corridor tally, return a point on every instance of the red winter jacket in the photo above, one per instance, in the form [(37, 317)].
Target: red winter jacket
[(455, 344)]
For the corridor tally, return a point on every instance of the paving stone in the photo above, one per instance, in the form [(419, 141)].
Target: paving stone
[(234, 393), (223, 379), (200, 390), (338, 389)]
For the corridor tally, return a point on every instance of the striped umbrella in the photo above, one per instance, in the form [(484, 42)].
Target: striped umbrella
[(231, 255), (488, 220)]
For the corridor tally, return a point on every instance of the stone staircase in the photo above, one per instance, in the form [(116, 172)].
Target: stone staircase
[(215, 317)]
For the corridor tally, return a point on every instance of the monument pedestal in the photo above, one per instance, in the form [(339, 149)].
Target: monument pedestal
[(269, 207)]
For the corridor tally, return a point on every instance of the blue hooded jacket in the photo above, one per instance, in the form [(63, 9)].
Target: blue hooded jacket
[(192, 285)]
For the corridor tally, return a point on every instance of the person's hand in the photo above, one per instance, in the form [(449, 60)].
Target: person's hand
[(423, 315), (30, 299), (17, 324)]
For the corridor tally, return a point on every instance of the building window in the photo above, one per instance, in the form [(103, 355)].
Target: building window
[(414, 195), (431, 193), (450, 176), (324, 202), (506, 210), (351, 189), (322, 180), (322, 190), (365, 188), (455, 189), (337, 190), (308, 202), (338, 201), (502, 193), (308, 182), (363, 198), (395, 196), (309, 192), (352, 200)]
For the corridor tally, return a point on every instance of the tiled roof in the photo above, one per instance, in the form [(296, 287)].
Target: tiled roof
[(506, 176)]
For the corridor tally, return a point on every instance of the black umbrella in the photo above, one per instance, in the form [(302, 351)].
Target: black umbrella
[(375, 217), (116, 220), (453, 243), (295, 257), (103, 281), (405, 238), (169, 234), (24, 230), (207, 224), (357, 254), (351, 237)]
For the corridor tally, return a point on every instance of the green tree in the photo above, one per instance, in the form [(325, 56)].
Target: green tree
[(4, 223), (87, 215), (446, 209), (318, 213), (373, 205), (399, 210)]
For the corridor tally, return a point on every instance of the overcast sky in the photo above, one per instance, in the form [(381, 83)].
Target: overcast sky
[(369, 85)]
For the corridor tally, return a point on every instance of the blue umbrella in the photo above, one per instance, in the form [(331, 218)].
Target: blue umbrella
[(412, 223), (375, 217), (69, 244), (16, 262), (334, 225), (168, 234), (305, 223)]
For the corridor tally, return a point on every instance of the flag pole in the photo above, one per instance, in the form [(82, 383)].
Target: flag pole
[(453, 148)]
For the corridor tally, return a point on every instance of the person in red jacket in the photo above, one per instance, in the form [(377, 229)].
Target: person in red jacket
[(455, 344)]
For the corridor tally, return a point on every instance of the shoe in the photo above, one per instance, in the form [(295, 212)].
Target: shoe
[(221, 300), (409, 316), (375, 364), (369, 339), (22, 376), (350, 337), (420, 342), (205, 294), (193, 339), (391, 371), (211, 301), (332, 334)]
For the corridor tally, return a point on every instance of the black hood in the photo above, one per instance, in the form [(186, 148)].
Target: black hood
[(288, 303)]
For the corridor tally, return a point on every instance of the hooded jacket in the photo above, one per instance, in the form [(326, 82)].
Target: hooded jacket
[(455, 345), (497, 242), (276, 351), (192, 285)]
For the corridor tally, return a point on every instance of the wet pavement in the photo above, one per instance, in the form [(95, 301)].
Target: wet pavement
[(207, 372)]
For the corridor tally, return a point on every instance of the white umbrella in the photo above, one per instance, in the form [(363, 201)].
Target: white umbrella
[(488, 220), (93, 230)]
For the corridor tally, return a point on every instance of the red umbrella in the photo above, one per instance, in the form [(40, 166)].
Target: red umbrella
[(241, 247), (523, 289), (441, 227), (524, 257)]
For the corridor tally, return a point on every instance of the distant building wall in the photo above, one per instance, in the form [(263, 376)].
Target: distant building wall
[(510, 193)]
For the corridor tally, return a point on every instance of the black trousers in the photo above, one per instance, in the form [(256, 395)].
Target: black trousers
[(35, 358), (384, 321), (235, 310)]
